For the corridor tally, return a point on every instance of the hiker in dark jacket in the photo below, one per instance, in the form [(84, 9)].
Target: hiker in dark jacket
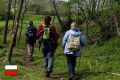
[(30, 34), (71, 53), (48, 40)]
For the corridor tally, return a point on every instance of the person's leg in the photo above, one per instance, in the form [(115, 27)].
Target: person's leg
[(44, 51), (50, 61), (28, 51), (71, 61), (32, 50), (50, 58), (73, 64)]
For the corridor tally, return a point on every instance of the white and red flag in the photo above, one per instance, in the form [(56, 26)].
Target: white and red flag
[(11, 70)]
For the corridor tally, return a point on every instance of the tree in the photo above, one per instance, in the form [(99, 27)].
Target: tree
[(3, 9), (17, 18), (57, 14), (14, 8), (22, 18), (7, 21)]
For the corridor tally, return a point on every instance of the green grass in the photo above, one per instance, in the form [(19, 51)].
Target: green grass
[(102, 59), (99, 63)]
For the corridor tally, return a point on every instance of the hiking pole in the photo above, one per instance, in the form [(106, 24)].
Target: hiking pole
[(79, 60)]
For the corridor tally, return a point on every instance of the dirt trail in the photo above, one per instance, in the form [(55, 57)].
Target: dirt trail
[(31, 65)]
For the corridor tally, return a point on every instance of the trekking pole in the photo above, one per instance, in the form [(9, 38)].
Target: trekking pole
[(79, 60)]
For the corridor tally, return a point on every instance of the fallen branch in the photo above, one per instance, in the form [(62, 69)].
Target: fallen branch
[(113, 73)]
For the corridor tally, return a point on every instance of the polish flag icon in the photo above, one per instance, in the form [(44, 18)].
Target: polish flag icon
[(11, 70)]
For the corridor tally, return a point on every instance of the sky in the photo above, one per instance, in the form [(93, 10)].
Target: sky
[(64, 0)]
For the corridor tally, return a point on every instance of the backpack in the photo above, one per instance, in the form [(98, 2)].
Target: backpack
[(74, 43), (46, 33), (31, 33)]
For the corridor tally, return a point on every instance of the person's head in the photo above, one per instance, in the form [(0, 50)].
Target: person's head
[(47, 20), (74, 24), (30, 23)]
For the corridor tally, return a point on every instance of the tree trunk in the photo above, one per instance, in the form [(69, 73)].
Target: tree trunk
[(86, 22), (57, 14), (7, 21), (97, 6), (14, 15), (9, 54), (23, 15), (116, 24), (78, 12), (68, 11)]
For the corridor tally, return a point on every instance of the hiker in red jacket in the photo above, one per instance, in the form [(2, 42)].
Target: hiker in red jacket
[(48, 41)]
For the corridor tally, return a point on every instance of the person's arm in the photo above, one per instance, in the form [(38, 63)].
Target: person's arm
[(35, 32), (26, 32), (39, 33), (56, 35), (65, 38), (35, 29), (82, 40)]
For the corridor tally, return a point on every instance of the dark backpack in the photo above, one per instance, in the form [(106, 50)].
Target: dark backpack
[(31, 34)]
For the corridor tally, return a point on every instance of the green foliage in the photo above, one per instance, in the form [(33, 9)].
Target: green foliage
[(3, 10), (101, 61), (116, 10), (93, 29), (111, 47)]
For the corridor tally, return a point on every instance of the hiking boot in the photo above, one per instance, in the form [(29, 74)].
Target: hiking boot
[(47, 74), (51, 71), (71, 77)]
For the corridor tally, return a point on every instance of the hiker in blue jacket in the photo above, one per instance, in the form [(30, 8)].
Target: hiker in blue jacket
[(72, 55), (30, 34)]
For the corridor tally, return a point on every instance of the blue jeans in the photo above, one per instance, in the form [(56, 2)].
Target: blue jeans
[(30, 50), (71, 62), (48, 55)]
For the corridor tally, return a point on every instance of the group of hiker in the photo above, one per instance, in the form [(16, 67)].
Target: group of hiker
[(48, 37)]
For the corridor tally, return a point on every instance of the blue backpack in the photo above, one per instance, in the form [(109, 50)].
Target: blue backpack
[(31, 34)]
